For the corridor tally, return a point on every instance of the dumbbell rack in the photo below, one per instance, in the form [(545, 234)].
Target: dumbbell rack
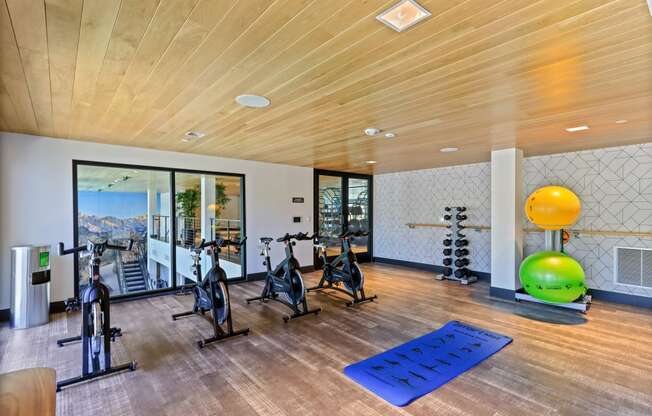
[(454, 260)]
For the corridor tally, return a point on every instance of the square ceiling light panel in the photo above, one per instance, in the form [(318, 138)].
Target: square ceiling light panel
[(403, 15)]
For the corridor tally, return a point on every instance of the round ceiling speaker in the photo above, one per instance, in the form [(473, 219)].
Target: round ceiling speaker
[(371, 131), (253, 101)]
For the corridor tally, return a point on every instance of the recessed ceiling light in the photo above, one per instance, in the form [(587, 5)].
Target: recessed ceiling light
[(621, 121), (390, 135), (449, 149), (371, 162), (578, 128), (402, 15), (252, 101), (371, 131)]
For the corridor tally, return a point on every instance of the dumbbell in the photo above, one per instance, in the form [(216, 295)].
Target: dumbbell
[(447, 209), (449, 251), (461, 262), (447, 217), (461, 217), (458, 235), (448, 242), (447, 261), (461, 209), (460, 226), (447, 271), (461, 252), (461, 243), (459, 273)]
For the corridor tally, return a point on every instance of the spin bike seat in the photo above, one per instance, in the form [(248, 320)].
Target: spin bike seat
[(266, 240)]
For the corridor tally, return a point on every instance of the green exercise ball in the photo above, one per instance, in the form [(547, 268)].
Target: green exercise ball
[(552, 277)]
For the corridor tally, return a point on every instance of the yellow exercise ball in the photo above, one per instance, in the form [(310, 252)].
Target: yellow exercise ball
[(553, 207)]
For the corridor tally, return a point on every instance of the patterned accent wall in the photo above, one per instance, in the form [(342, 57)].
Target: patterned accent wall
[(614, 185), (420, 197)]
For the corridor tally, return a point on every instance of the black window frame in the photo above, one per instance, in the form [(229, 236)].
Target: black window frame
[(345, 176), (173, 232)]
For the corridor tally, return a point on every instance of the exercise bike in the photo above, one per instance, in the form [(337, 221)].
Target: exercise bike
[(96, 332), (212, 292), (350, 275), (284, 284)]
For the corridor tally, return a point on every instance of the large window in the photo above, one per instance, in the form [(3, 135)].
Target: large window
[(165, 212)]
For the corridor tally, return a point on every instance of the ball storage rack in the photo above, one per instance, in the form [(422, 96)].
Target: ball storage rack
[(554, 242), (456, 248), (582, 304)]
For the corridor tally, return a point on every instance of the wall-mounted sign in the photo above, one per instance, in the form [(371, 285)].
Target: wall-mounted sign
[(297, 200)]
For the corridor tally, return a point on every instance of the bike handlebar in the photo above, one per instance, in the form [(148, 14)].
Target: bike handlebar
[(345, 234), (358, 233), (218, 242), (61, 251), (298, 236)]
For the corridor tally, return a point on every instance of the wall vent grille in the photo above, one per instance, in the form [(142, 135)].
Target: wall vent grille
[(633, 266)]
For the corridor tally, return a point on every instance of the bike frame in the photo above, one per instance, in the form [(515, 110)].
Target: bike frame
[(278, 280), (96, 293), (219, 334), (332, 275)]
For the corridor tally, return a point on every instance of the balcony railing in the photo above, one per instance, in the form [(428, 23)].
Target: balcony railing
[(189, 233), (229, 229), (160, 228)]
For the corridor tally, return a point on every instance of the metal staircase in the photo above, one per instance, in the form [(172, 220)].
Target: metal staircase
[(134, 279)]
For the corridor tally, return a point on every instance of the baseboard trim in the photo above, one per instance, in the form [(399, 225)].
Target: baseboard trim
[(58, 306), (622, 298), (499, 292), (426, 267), (252, 277)]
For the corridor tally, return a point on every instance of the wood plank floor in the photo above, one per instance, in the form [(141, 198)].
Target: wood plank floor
[(560, 363)]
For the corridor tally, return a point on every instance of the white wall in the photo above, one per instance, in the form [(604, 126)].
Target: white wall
[(36, 198)]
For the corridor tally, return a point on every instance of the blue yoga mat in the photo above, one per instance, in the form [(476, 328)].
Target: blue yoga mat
[(409, 371)]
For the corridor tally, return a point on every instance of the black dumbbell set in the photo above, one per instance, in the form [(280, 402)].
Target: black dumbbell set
[(456, 251)]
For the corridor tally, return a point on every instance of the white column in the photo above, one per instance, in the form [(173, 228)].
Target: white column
[(151, 211), (207, 214), (207, 205), (506, 219)]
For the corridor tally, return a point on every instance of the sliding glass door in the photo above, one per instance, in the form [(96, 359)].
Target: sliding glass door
[(165, 212), (343, 203)]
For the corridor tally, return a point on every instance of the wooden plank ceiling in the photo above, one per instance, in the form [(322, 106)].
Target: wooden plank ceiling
[(477, 75)]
